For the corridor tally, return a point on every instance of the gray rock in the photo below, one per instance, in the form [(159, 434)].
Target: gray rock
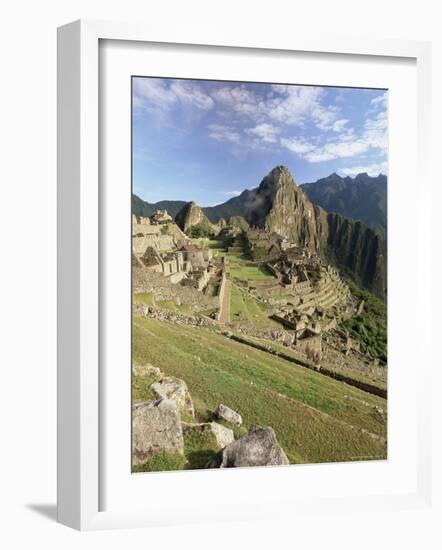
[(228, 414), (156, 427), (147, 371), (258, 447), (224, 436), (176, 389)]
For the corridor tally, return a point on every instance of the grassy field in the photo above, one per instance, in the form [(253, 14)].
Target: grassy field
[(244, 308), (316, 419), (240, 268), (370, 378)]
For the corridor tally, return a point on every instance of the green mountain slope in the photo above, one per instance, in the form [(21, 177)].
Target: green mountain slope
[(363, 198)]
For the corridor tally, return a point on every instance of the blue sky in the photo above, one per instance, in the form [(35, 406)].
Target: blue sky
[(207, 141)]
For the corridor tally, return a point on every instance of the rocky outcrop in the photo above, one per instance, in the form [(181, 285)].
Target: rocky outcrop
[(175, 389), (147, 371), (223, 436), (229, 415), (156, 427), (258, 447), (282, 207), (191, 214)]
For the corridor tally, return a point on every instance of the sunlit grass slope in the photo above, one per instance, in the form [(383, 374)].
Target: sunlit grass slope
[(316, 419)]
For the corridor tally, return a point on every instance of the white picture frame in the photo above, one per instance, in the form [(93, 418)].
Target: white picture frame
[(79, 265)]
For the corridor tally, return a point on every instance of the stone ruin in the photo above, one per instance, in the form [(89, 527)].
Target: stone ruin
[(160, 247)]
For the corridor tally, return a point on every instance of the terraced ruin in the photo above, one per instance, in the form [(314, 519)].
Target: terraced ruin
[(257, 319)]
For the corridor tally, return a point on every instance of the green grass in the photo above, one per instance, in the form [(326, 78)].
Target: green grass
[(149, 299), (215, 245), (166, 304), (241, 268), (356, 375), (244, 308), (162, 462), (141, 388), (199, 448), (208, 312), (144, 298), (212, 290), (316, 419)]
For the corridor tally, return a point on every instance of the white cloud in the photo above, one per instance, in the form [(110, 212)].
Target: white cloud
[(162, 94), (338, 149), (347, 144), (155, 91), (223, 133), (289, 105), (296, 104), (266, 132), (232, 193), (380, 100), (299, 146), (371, 169), (192, 95), (239, 99), (338, 125)]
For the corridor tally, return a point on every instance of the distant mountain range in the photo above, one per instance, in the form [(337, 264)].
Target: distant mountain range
[(362, 198), (279, 205)]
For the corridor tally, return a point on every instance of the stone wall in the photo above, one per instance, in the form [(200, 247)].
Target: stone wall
[(157, 241), (164, 289), (311, 344), (173, 316)]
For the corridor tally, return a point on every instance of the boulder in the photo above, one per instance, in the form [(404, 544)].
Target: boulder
[(258, 447), (156, 427), (227, 414), (176, 389), (223, 436), (147, 371)]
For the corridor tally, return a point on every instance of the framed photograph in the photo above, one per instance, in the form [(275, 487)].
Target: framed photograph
[(236, 335)]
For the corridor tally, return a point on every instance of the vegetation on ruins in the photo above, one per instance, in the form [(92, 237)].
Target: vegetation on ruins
[(201, 230), (370, 327), (259, 253)]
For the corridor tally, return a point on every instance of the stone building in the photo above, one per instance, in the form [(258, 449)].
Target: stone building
[(160, 217)]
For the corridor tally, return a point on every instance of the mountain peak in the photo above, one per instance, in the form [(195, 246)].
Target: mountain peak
[(191, 214), (278, 177)]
